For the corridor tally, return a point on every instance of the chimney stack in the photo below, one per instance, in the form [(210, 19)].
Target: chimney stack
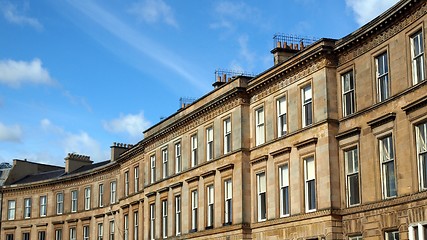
[(75, 161), (118, 149), (283, 52), (220, 81)]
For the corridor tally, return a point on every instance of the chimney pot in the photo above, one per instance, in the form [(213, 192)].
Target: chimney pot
[(278, 44)]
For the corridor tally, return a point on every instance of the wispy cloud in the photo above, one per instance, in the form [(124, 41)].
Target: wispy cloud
[(80, 142), (153, 11), (14, 73), (246, 57), (77, 100), (227, 13), (132, 124), (138, 42), (10, 133), (367, 10), (13, 15)]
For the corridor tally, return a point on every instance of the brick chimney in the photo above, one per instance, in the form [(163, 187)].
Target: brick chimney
[(75, 161), (220, 81), (117, 149), (283, 52)]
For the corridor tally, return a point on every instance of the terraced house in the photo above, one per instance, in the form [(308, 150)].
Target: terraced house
[(329, 143)]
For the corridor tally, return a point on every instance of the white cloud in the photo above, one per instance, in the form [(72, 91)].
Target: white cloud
[(14, 73), (153, 11), (80, 142), (366, 10), (132, 124), (10, 133), (77, 100), (12, 15)]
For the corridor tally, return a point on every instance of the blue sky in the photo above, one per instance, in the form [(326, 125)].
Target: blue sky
[(76, 76)]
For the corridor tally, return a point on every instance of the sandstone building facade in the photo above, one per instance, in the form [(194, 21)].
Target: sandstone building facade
[(329, 143)]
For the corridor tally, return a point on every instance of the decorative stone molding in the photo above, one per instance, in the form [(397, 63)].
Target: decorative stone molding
[(9, 228), (382, 37), (192, 179), (259, 159), (207, 174), (150, 194), (85, 218), (225, 167), (417, 104), (124, 206), (41, 225), (161, 190), (99, 215), (30, 225), (281, 151), (310, 141), (348, 133), (288, 77), (204, 114), (382, 120), (175, 185), (72, 220)]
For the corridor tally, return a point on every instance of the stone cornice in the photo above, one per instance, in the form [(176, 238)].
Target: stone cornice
[(379, 30), (225, 167), (419, 103), (348, 133), (207, 174), (213, 108), (259, 159), (382, 120), (305, 143), (161, 190), (281, 151), (176, 185), (99, 215), (192, 179), (85, 218), (288, 74)]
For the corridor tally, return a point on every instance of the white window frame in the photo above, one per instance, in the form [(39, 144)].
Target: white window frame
[(43, 206), (152, 168), (421, 144), (227, 135), (135, 225), (209, 144), (59, 203), (307, 105), (417, 57), (210, 192), (194, 208), (178, 162), (136, 179), (194, 152), (73, 233), (261, 184), (284, 190), (100, 231), (11, 209), (228, 202), (41, 235), (417, 231), (387, 155), (165, 160), (351, 161), (101, 195), (126, 176), (87, 198), (310, 184), (27, 208), (165, 219), (113, 190), (383, 79), (126, 227), (74, 200), (391, 235), (58, 234), (355, 237), (178, 219), (152, 221), (86, 232), (259, 126), (112, 230), (348, 93), (282, 125)]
